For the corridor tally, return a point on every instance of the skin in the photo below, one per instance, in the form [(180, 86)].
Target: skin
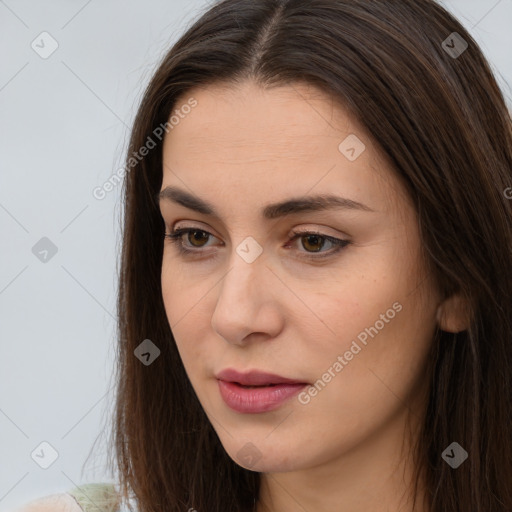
[(52, 503), (239, 149)]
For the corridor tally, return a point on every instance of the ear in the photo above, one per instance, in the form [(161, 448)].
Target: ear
[(453, 314)]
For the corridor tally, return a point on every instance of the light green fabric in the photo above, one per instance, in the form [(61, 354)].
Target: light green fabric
[(97, 497)]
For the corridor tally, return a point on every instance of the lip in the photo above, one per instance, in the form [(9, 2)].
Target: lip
[(254, 378), (256, 400), (274, 392)]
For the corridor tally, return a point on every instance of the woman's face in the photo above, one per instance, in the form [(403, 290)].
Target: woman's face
[(354, 321)]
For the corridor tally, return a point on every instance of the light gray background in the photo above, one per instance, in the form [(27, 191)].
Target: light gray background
[(64, 125)]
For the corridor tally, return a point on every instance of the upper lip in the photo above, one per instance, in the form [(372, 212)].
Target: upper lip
[(254, 378)]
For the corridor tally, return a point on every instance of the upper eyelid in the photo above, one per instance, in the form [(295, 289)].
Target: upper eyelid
[(320, 230)]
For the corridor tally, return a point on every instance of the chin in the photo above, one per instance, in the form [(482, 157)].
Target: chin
[(265, 456)]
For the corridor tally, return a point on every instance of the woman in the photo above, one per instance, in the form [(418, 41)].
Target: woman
[(373, 134)]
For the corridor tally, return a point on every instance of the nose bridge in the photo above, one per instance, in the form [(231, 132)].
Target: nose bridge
[(243, 293), (247, 268)]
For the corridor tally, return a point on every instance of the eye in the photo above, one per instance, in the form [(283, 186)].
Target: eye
[(313, 242), (198, 235), (178, 234)]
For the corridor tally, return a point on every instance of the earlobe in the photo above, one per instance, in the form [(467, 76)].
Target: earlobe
[(453, 314)]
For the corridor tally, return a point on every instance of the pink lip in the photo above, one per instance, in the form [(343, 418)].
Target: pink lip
[(254, 378), (274, 391), (256, 400)]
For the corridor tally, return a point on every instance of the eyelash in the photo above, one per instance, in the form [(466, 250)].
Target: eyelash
[(176, 238)]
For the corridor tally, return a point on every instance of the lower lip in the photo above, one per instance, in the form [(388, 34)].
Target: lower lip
[(256, 400)]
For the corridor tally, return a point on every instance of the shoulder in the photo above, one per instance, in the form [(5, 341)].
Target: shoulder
[(62, 502), (91, 497)]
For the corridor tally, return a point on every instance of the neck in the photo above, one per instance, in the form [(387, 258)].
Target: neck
[(376, 475)]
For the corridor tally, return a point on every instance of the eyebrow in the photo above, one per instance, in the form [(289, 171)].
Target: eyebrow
[(271, 211)]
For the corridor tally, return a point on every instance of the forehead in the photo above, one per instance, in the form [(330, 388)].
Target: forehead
[(260, 142), (246, 116)]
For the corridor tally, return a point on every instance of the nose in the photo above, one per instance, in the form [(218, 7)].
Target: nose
[(247, 303)]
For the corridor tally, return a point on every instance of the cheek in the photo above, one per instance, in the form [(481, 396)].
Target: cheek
[(181, 294), (353, 300), (370, 369), (375, 317), (384, 348), (182, 303)]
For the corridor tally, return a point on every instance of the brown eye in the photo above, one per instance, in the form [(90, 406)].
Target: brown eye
[(196, 235), (313, 242)]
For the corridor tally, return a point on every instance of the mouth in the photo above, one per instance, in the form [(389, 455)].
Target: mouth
[(256, 391), (254, 399)]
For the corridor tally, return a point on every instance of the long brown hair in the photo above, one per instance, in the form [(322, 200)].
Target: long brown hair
[(434, 107)]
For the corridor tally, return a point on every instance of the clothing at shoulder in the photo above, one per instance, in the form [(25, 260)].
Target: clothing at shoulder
[(96, 497)]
